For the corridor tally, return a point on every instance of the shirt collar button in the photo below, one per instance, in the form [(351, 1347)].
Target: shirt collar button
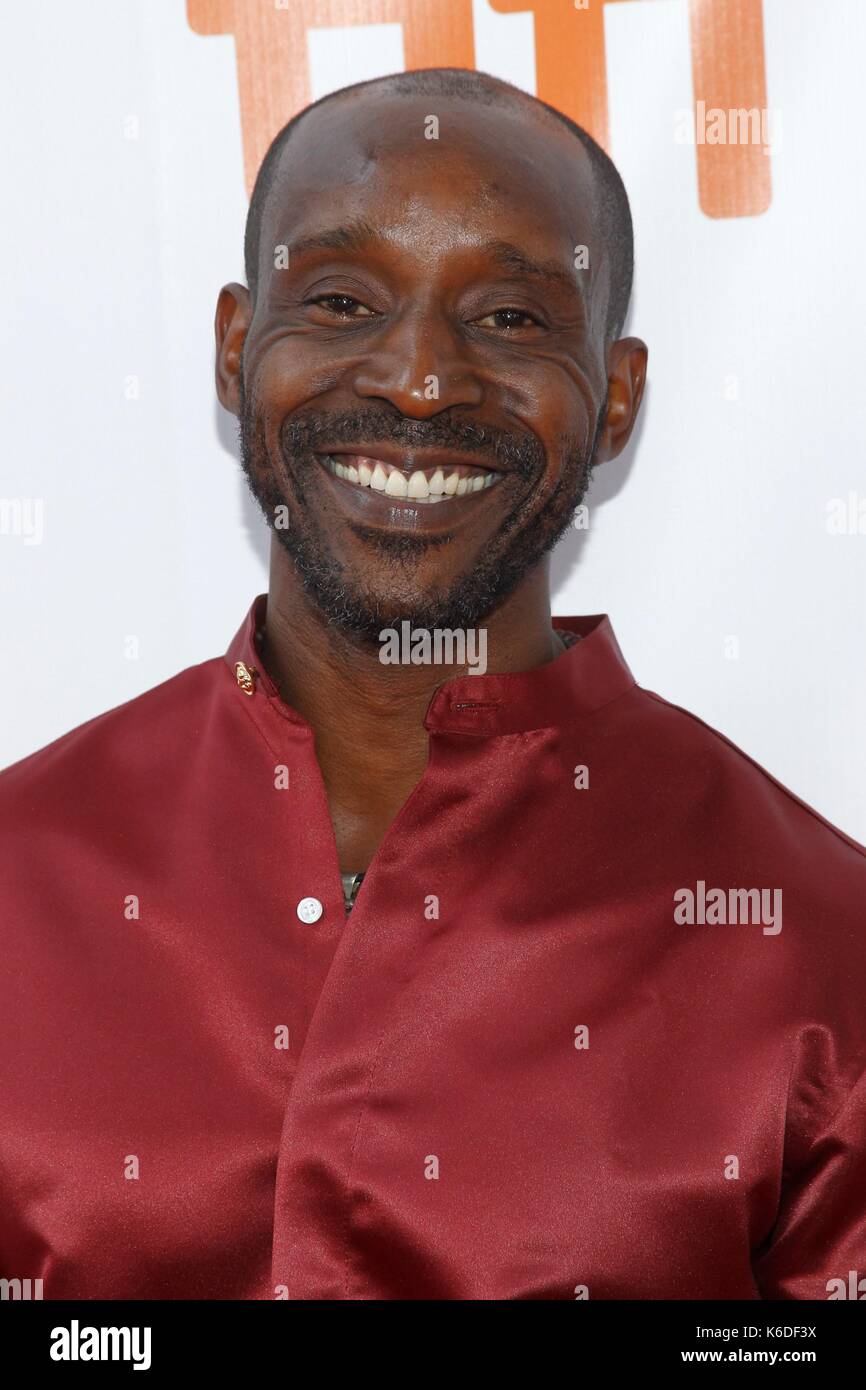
[(246, 677), (309, 910)]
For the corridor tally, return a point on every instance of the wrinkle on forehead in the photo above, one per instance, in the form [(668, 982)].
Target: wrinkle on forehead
[(520, 153)]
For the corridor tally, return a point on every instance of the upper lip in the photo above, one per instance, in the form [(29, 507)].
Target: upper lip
[(408, 458)]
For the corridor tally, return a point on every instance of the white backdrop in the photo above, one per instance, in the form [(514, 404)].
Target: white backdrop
[(129, 548)]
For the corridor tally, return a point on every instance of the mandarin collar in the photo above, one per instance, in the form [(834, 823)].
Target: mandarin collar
[(586, 676)]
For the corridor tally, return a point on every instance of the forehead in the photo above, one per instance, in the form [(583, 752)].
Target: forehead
[(495, 170)]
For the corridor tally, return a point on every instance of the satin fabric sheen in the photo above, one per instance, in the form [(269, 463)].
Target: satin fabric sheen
[(431, 1130)]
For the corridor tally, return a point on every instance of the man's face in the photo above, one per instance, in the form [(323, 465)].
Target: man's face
[(422, 388)]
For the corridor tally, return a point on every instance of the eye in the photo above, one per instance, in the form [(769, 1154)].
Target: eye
[(342, 306), (508, 319)]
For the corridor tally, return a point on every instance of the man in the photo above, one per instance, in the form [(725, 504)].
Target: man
[(592, 1025)]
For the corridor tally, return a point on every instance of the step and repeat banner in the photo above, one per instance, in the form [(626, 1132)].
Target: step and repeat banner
[(728, 544)]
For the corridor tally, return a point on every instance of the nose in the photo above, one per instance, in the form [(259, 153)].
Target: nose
[(420, 366)]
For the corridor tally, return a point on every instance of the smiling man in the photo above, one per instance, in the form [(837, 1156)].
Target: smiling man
[(332, 976)]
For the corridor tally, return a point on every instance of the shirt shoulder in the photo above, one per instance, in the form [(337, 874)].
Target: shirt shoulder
[(711, 766), (711, 818), (135, 742)]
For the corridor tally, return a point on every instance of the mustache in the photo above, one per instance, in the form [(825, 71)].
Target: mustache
[(512, 451)]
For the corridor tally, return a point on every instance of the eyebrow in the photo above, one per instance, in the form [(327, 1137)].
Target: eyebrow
[(354, 236), (510, 258), (359, 235)]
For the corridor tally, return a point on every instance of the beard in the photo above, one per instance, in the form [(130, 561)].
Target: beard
[(362, 609)]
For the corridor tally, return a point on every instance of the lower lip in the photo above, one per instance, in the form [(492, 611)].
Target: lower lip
[(379, 509)]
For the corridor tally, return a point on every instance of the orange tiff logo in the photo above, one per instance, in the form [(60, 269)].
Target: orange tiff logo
[(727, 47)]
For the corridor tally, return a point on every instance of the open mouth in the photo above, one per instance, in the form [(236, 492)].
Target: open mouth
[(441, 483)]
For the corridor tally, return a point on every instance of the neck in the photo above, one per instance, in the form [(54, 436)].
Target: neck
[(368, 717)]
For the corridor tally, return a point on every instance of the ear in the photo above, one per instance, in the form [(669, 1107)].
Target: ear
[(233, 314), (626, 375)]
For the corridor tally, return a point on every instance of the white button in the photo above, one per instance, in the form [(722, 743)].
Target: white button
[(309, 909)]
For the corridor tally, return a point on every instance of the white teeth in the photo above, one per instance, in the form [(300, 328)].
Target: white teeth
[(396, 485), (418, 486)]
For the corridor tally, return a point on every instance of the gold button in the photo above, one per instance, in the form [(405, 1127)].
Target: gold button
[(246, 677)]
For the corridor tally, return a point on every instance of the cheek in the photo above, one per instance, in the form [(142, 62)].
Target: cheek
[(554, 399), (284, 381)]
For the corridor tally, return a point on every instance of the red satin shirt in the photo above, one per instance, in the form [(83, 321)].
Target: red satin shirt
[(510, 1073)]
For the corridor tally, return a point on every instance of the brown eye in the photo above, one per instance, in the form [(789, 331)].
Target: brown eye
[(343, 305), (508, 318)]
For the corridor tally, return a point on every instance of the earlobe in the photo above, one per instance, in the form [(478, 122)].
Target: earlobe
[(626, 367), (231, 322)]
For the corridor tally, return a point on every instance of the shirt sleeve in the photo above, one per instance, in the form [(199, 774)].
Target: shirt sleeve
[(817, 1249)]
